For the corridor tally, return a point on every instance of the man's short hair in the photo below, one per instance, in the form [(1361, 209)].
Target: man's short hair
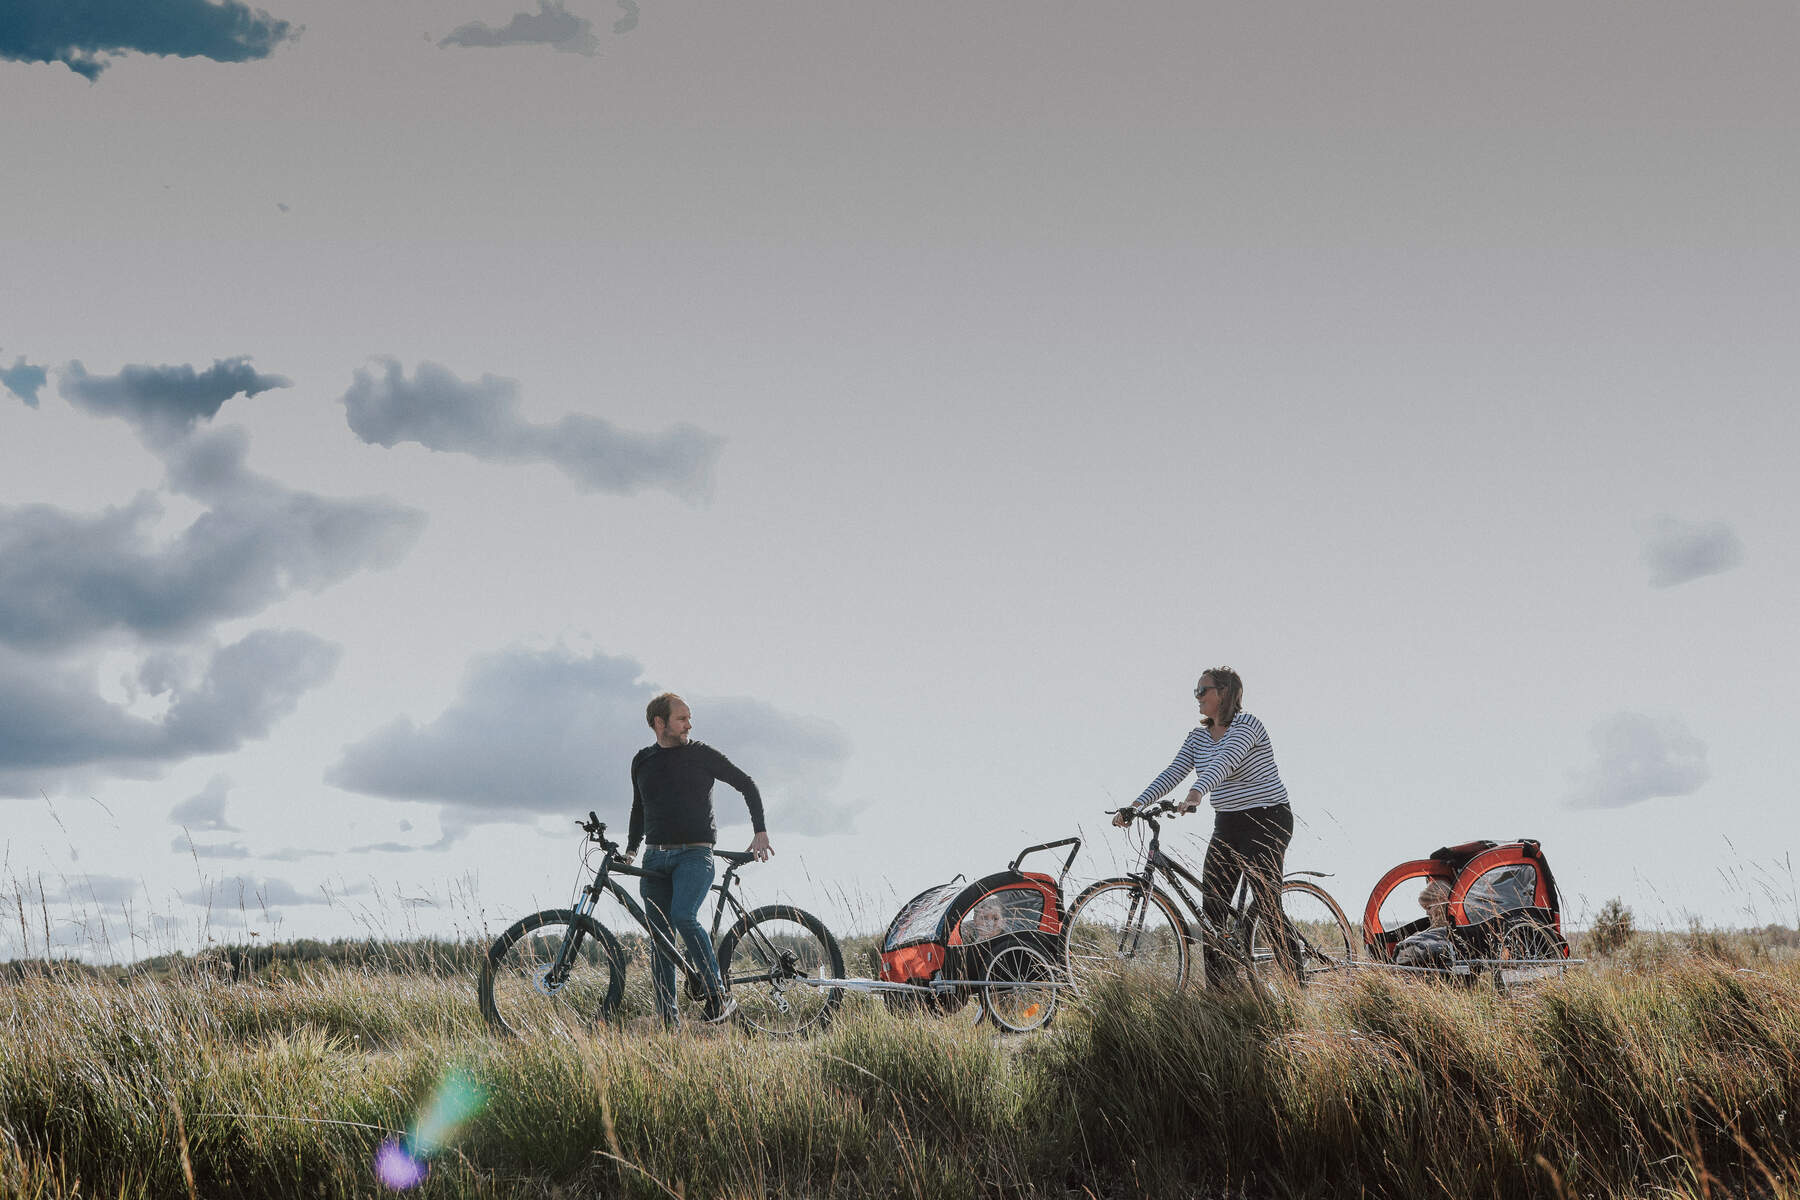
[(662, 706)]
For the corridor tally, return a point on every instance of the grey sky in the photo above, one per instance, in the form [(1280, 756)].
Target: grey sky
[(205, 810), (1030, 359), (1679, 551)]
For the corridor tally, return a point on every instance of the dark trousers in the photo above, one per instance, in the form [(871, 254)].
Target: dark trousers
[(1252, 842)]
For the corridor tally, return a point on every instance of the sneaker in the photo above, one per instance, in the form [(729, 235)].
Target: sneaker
[(720, 1009)]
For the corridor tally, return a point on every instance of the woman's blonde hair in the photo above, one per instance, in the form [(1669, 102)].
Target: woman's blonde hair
[(1231, 692)]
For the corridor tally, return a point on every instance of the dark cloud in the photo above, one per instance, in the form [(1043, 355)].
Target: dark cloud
[(1679, 551), (628, 22), (23, 380), (79, 34), (163, 403), (441, 412), (552, 732), (550, 25), (1637, 758), (205, 811), (56, 723), (67, 578)]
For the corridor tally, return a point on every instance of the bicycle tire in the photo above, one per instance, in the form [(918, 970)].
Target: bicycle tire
[(1106, 931), (766, 959), (518, 998), (1324, 946), (1537, 948), (1020, 992)]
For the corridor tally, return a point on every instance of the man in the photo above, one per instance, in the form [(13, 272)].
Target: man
[(671, 806)]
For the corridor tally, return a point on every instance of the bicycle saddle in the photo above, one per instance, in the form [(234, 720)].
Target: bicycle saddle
[(736, 858)]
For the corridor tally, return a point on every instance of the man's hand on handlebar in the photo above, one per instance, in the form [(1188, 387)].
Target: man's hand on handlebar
[(759, 846)]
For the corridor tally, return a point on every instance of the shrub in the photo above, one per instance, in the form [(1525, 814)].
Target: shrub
[(1613, 928)]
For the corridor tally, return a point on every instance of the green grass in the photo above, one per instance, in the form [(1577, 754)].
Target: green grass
[(1670, 1068)]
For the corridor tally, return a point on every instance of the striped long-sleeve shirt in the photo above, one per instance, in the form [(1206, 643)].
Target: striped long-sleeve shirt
[(1238, 770)]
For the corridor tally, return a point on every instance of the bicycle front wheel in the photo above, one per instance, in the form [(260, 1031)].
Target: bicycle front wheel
[(1119, 928), (553, 972), (1320, 945), (776, 962)]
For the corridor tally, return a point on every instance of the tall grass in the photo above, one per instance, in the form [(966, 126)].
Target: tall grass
[(1671, 1077)]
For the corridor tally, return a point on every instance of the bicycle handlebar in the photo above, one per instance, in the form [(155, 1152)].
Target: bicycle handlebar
[(595, 829), (1160, 808)]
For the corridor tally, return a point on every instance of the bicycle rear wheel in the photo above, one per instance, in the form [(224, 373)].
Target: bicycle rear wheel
[(553, 972), (1321, 945), (774, 962), (1118, 928)]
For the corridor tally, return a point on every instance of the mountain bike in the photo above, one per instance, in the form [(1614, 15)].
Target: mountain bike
[(560, 970), (1129, 925)]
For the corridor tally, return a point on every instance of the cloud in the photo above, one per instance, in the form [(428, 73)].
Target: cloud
[(164, 403), (206, 810), (230, 850), (552, 732), (550, 25), (250, 892), (67, 578), (441, 412), (1636, 758), (628, 22), (57, 723), (23, 380), (78, 34), (1680, 551), (104, 890)]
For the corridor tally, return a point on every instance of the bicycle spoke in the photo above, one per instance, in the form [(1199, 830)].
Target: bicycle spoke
[(552, 973), (1117, 929), (774, 965), (1319, 943)]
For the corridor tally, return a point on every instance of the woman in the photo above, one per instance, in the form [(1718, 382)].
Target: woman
[(1232, 760)]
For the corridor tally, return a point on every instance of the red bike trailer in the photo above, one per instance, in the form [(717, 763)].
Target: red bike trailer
[(1504, 914), (998, 940)]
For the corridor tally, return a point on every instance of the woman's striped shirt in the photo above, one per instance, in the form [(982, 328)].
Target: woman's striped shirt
[(1238, 770)]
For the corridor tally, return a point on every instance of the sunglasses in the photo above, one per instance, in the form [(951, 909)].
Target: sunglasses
[(1205, 688)]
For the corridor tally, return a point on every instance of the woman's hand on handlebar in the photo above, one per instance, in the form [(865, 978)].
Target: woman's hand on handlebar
[(1122, 817), (1189, 803)]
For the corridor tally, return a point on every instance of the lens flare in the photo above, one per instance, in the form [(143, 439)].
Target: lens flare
[(397, 1169), (400, 1163)]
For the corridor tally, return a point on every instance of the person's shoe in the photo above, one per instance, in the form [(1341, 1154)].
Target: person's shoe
[(720, 1009)]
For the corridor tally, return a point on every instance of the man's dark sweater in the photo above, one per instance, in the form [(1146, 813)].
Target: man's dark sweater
[(671, 794)]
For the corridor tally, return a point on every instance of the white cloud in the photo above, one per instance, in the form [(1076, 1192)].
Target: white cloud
[(1636, 758), (552, 732)]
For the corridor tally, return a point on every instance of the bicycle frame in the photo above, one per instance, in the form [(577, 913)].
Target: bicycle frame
[(1173, 871), (605, 885)]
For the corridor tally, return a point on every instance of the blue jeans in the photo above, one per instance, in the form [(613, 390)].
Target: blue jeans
[(673, 898)]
